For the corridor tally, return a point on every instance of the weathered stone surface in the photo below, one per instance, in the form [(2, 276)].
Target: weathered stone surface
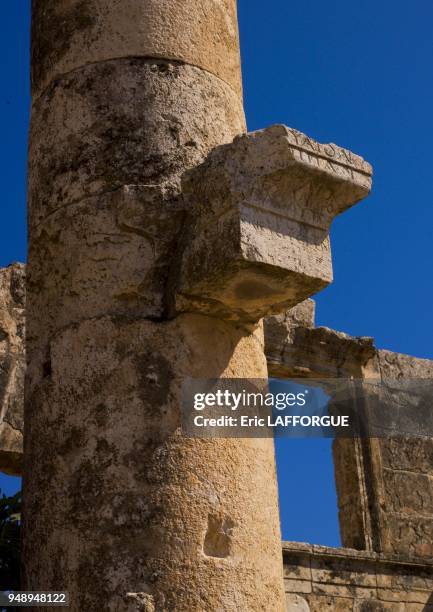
[(257, 241), (123, 264), (352, 470), (394, 366), (70, 33), (279, 329), (12, 366), (295, 603), (119, 507), (107, 147), (366, 476), (316, 352), (319, 603), (125, 122), (402, 467), (344, 580), (384, 485), (116, 453)]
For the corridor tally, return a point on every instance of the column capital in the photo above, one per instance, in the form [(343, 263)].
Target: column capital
[(257, 238)]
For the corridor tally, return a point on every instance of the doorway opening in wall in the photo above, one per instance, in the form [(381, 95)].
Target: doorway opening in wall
[(306, 487)]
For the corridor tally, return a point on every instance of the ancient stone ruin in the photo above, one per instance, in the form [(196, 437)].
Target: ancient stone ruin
[(164, 243)]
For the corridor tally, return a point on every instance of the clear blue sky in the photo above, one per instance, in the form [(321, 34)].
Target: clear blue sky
[(357, 73)]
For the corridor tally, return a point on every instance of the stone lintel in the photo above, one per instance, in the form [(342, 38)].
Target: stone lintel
[(296, 350), (257, 238)]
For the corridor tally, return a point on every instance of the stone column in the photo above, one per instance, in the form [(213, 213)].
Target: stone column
[(119, 508)]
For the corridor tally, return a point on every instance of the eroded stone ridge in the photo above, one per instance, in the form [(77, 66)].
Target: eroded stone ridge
[(12, 366), (257, 239)]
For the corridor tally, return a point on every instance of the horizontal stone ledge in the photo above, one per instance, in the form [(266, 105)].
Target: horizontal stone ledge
[(316, 352), (257, 238), (295, 348), (395, 564)]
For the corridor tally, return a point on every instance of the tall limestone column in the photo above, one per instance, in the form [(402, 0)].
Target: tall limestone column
[(120, 509)]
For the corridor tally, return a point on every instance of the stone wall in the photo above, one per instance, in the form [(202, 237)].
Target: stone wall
[(384, 485), (320, 579)]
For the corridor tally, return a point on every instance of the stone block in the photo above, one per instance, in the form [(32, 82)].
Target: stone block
[(68, 34), (280, 328), (405, 577), (257, 239), (295, 603), (403, 596), (320, 603), (308, 352), (347, 591), (378, 606), (297, 565), (399, 454), (340, 570), (394, 366), (297, 586), (409, 535), (100, 128), (408, 493)]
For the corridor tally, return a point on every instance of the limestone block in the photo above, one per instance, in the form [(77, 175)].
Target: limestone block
[(320, 603), (338, 570), (315, 352), (280, 329), (257, 241), (12, 366), (394, 366), (295, 603), (125, 122), (398, 454), (408, 493), (397, 583), (68, 34), (378, 606)]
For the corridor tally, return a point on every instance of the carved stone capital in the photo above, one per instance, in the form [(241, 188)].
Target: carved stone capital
[(257, 239)]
